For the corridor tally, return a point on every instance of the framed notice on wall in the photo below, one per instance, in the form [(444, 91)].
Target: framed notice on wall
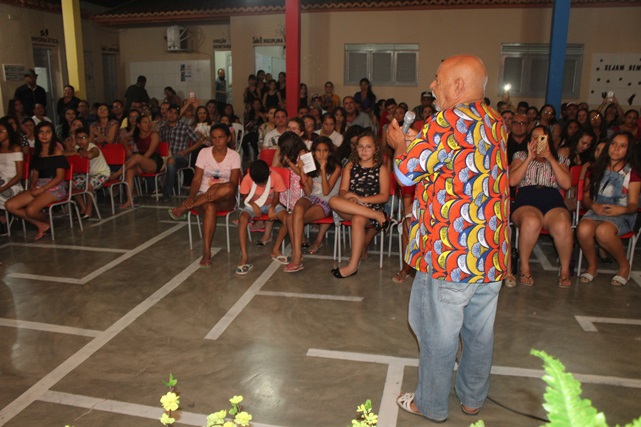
[(13, 73)]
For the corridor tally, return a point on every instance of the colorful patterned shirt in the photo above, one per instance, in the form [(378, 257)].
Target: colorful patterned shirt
[(179, 137), (460, 214)]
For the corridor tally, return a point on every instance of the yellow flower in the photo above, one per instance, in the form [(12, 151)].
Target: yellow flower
[(229, 424), (216, 419), (236, 400), (243, 418), (166, 419), (170, 401)]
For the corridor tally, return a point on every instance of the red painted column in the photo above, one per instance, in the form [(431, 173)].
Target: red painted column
[(292, 54)]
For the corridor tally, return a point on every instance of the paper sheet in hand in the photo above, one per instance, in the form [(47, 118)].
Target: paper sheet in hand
[(308, 162)]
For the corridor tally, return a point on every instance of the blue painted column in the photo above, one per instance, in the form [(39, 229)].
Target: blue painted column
[(558, 44)]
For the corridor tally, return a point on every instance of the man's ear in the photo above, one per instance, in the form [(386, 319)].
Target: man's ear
[(459, 85)]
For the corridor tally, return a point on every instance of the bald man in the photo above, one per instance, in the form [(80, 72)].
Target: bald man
[(458, 239)]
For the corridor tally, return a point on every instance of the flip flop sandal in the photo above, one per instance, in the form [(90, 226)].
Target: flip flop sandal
[(172, 215), (510, 281), (399, 277), (293, 268), (587, 277), (241, 270), (282, 259), (263, 243), (565, 282), (470, 411), (526, 280), (404, 402), (312, 251), (205, 263), (619, 281)]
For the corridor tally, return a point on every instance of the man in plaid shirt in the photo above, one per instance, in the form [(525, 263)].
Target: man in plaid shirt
[(182, 140)]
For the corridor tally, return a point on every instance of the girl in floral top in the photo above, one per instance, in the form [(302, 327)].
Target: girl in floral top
[(539, 204)]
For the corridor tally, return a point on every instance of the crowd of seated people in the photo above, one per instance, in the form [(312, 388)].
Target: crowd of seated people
[(346, 137)]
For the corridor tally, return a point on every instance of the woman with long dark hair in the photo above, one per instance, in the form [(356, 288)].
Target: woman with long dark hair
[(365, 97), (11, 167), (46, 184), (612, 197)]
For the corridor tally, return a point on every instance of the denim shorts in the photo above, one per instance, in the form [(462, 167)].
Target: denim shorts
[(623, 223), (263, 209)]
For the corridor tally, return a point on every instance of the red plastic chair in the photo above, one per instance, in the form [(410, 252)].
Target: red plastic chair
[(25, 184), (267, 154), (163, 150), (68, 201), (80, 165), (115, 156)]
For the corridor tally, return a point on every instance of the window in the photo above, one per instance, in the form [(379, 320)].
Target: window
[(525, 68), (382, 64)]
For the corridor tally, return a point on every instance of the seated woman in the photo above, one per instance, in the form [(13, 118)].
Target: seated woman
[(126, 133), (319, 186), (539, 203), (612, 195), (46, 184), (147, 160), (11, 167), (104, 130), (362, 196), (214, 186), (578, 151)]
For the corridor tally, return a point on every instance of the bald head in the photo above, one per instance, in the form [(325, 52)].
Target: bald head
[(459, 79)]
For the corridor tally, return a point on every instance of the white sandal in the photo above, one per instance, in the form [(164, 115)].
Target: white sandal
[(587, 277), (404, 402)]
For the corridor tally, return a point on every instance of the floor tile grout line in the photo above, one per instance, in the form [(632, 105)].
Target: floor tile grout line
[(588, 322), (48, 327), (125, 408), (310, 296), (104, 268), (72, 247), (62, 370), (242, 302)]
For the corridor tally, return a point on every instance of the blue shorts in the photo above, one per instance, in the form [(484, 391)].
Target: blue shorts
[(623, 223), (263, 209)]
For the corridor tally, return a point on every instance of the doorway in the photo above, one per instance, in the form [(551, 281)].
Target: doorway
[(110, 77), (47, 66), (222, 59)]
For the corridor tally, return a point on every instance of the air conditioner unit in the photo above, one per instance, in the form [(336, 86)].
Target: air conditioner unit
[(177, 39)]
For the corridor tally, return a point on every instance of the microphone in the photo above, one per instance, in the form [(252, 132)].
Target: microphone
[(409, 118)]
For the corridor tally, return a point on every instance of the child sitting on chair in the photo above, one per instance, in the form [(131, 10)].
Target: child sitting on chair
[(259, 190)]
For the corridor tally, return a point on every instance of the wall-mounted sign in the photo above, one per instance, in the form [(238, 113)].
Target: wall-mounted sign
[(44, 38), (221, 43), (13, 73), (274, 40), (111, 48), (618, 73)]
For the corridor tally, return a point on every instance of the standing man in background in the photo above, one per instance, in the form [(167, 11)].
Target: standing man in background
[(137, 93), (221, 91), (30, 93), (458, 237)]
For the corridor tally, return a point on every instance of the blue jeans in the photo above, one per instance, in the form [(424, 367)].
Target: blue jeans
[(172, 169), (438, 312)]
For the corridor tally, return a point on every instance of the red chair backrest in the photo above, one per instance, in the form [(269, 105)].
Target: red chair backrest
[(80, 164), (114, 154), (163, 149), (267, 155), (69, 173), (575, 173)]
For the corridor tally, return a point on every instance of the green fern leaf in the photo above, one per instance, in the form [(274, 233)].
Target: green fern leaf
[(479, 423), (563, 397)]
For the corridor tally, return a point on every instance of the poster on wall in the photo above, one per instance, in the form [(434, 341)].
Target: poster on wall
[(617, 73), (185, 72), (13, 73)]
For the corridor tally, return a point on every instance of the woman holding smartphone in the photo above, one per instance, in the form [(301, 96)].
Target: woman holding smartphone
[(539, 175)]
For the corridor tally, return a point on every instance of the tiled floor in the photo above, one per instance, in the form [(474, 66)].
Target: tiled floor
[(91, 324)]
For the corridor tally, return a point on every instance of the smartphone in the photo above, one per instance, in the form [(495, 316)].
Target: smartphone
[(192, 95), (610, 94), (541, 144)]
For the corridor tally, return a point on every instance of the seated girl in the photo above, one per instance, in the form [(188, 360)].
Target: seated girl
[(539, 175), (290, 148), (46, 183), (612, 196), (319, 186), (214, 186), (147, 160), (364, 190), (98, 169), (11, 167)]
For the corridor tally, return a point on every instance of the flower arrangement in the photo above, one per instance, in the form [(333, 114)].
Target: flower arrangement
[(171, 401)]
